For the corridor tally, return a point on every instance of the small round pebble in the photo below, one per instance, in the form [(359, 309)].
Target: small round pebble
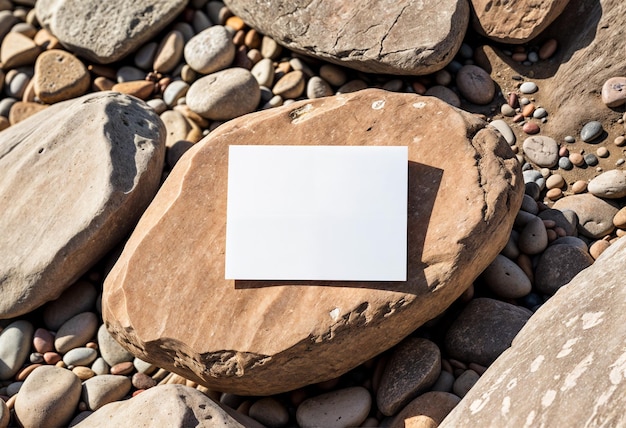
[(591, 159), (565, 163), (569, 139), (530, 128), (540, 113), (318, 88), (444, 94), (80, 356), (291, 85), (506, 279), (142, 381), (619, 141), (465, 382), (270, 412), (579, 186), (555, 181), (554, 194), (602, 152), (210, 50), (507, 110), (598, 247), (333, 74), (548, 49), (577, 159), (528, 88), (591, 131)]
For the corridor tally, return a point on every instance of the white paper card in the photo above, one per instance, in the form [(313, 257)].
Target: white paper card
[(317, 213)]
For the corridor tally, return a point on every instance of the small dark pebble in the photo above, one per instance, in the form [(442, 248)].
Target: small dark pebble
[(531, 300), (565, 163), (591, 159), (590, 131), (517, 77), (533, 190)]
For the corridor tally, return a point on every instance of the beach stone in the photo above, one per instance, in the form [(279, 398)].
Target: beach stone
[(504, 129), (571, 240), (5, 415), (515, 25), (347, 407), (619, 219), (224, 95), (79, 297), (475, 84), (591, 131), (391, 44), (104, 389), (528, 88), (614, 92), (531, 128), (112, 352), (174, 91), (317, 87), (597, 248), (533, 238), (610, 184), (555, 181), (7, 21), (541, 150), (595, 215), (507, 110), (270, 412), (43, 341), (558, 265), (144, 57), (15, 340), (81, 356), (76, 331), (426, 411), (444, 382), (263, 72), (291, 85), (444, 94), (574, 378), (48, 397), (534, 176), (471, 336), (68, 230), (333, 74), (494, 194), (109, 31), (143, 381), (175, 406), (18, 50), (21, 111), (210, 50), (59, 76), (83, 373), (465, 382), (169, 53), (505, 278), (142, 89), (413, 367), (100, 366), (565, 219)]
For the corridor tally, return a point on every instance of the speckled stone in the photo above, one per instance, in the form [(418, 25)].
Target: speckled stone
[(346, 407), (475, 84), (210, 50), (506, 279), (614, 92), (542, 150), (558, 265)]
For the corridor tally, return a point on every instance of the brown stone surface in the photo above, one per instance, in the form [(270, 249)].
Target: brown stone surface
[(59, 76), (515, 22), (567, 366), (68, 199), (166, 298), (426, 411), (373, 36)]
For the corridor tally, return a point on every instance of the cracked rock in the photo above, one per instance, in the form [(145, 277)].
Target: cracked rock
[(267, 337)]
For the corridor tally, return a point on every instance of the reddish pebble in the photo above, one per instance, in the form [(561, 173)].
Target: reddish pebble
[(531, 128), (51, 357), (23, 374), (418, 88), (143, 381), (553, 195), (551, 235), (548, 49), (43, 341), (513, 100), (577, 159), (518, 118), (122, 368), (139, 391), (92, 345), (579, 187), (549, 224), (560, 232), (519, 56), (563, 152), (528, 110)]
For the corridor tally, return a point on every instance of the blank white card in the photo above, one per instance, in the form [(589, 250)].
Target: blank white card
[(317, 213)]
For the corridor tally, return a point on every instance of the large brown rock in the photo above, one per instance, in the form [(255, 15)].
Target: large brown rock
[(74, 180), (166, 298), (567, 366), (403, 37), (515, 22)]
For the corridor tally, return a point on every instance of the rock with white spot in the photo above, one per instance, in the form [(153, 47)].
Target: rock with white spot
[(575, 378), (541, 150)]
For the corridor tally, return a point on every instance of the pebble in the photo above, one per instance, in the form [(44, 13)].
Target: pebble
[(123, 368), (571, 240), (353, 86), (555, 181), (465, 382), (210, 50), (529, 205), (614, 92), (444, 94), (507, 110), (576, 159), (144, 58), (619, 220), (127, 73), (414, 366), (76, 332), (475, 84), (143, 381), (174, 91), (528, 88), (595, 215), (540, 113), (591, 131), (81, 356), (100, 366), (111, 351), (48, 397), (548, 49), (531, 128), (225, 95), (59, 76), (270, 412), (426, 411), (104, 389), (333, 74), (533, 176), (14, 388), (394, 85), (579, 186), (444, 382), (533, 238), (565, 163), (598, 247), (619, 141), (83, 373), (43, 341), (602, 152), (15, 340), (558, 265), (610, 184), (291, 85), (506, 279), (347, 407), (590, 159), (541, 150), (528, 110), (533, 56), (505, 130), (270, 49), (79, 297), (565, 219), (18, 50), (263, 72), (17, 85), (318, 88), (553, 195), (51, 358)]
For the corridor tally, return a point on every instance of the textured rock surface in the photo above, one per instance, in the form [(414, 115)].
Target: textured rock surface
[(175, 406), (378, 37), (578, 376), (53, 230), (515, 22), (106, 31), (248, 350)]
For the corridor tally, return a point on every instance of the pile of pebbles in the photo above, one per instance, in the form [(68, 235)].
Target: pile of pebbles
[(196, 86)]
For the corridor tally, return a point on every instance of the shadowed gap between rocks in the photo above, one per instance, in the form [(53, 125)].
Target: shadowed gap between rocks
[(421, 199)]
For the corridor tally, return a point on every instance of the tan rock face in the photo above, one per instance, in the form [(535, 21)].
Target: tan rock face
[(567, 365), (68, 199), (166, 298), (59, 76), (377, 37), (515, 22)]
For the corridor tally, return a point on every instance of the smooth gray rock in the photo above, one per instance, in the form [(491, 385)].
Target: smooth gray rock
[(104, 389), (375, 37), (506, 279), (79, 297), (567, 366), (591, 131), (111, 351), (68, 199), (107, 31), (15, 342), (174, 406)]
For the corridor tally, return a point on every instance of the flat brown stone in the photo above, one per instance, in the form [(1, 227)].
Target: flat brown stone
[(166, 298)]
